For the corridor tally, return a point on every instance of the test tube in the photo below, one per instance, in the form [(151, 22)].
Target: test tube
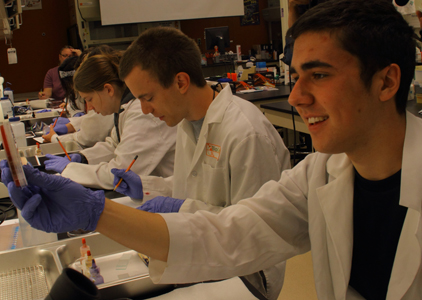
[(12, 155)]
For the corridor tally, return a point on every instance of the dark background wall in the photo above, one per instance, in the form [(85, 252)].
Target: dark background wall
[(37, 42), (44, 32)]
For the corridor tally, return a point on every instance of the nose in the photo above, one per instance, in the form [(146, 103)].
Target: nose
[(300, 95), (146, 107), (89, 106)]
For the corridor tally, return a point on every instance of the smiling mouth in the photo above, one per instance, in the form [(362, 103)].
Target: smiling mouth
[(314, 120)]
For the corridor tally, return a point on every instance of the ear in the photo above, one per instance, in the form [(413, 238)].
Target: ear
[(182, 81), (390, 77), (109, 88)]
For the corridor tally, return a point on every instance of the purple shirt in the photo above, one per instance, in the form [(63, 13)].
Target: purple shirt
[(52, 80)]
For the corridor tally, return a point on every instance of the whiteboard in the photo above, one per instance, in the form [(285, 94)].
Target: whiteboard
[(140, 11)]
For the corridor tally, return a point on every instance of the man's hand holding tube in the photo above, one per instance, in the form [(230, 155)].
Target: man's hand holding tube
[(54, 203)]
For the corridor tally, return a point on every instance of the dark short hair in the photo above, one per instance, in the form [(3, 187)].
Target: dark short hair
[(373, 31), (164, 52)]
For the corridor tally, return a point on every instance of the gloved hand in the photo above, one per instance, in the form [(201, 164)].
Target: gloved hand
[(131, 184), (58, 163), (60, 129), (79, 114), (53, 203), (61, 120), (161, 204)]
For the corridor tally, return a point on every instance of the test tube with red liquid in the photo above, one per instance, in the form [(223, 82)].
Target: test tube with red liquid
[(12, 154)]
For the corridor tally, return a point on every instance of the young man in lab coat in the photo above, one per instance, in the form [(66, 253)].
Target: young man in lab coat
[(356, 203), (226, 149)]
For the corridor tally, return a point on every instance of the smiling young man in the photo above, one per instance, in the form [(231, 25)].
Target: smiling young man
[(356, 204)]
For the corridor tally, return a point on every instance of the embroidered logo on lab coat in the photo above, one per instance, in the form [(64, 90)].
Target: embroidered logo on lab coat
[(213, 151)]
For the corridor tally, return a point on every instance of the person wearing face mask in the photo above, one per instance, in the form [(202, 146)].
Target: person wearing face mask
[(52, 87), (134, 133)]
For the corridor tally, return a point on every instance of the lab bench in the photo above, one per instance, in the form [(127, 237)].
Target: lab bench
[(124, 272), (259, 98)]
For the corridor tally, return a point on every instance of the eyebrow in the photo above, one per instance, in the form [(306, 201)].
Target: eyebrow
[(311, 65)]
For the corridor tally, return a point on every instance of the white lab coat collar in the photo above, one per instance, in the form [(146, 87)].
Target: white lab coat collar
[(216, 110), (412, 167), (215, 114), (408, 256), (336, 200)]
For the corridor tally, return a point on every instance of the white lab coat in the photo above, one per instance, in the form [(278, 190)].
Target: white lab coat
[(92, 128), (238, 151), (311, 207), (140, 134), (80, 106)]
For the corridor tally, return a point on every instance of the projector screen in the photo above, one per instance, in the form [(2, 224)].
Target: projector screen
[(140, 11)]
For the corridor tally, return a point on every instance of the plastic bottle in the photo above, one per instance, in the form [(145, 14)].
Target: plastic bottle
[(88, 262), (18, 129), (6, 107), (1, 86), (95, 273), (8, 92), (261, 66), (85, 270), (239, 72), (84, 248), (40, 153)]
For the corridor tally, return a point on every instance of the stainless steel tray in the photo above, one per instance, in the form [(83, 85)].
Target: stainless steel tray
[(120, 280), (27, 273)]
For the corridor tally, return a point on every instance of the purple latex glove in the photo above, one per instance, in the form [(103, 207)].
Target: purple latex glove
[(79, 114), (53, 203), (131, 184), (161, 204), (58, 163), (60, 129), (61, 121)]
